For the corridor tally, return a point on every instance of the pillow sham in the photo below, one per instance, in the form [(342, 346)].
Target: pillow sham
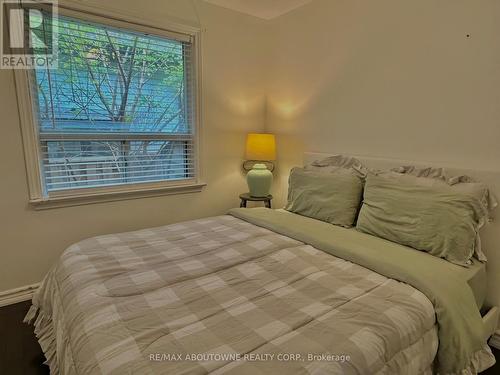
[(336, 162), (427, 214), (462, 183), (332, 197)]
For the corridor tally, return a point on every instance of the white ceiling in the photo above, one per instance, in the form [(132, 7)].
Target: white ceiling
[(266, 9)]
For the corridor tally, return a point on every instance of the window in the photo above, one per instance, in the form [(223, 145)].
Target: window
[(118, 113)]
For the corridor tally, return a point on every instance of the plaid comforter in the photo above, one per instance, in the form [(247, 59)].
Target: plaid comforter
[(223, 296)]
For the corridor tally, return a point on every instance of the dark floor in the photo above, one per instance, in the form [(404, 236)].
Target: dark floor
[(495, 370), (21, 355)]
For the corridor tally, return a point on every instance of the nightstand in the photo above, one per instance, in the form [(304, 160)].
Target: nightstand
[(247, 197)]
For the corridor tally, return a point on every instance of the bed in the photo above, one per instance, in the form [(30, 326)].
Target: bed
[(257, 291)]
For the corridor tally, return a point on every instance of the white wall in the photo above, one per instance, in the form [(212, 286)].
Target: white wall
[(411, 80), (388, 78), (233, 101)]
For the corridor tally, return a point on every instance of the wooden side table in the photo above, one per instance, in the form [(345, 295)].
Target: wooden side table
[(247, 197)]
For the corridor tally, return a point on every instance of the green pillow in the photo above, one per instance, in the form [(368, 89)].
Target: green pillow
[(332, 196), (438, 218)]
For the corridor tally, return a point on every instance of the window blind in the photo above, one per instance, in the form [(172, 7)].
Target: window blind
[(118, 109)]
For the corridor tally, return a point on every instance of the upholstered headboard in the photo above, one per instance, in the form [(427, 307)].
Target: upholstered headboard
[(490, 233)]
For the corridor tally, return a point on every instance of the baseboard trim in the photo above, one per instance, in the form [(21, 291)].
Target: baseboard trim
[(495, 340), (12, 296)]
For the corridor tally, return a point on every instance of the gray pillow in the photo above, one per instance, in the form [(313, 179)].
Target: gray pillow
[(335, 162), (333, 197), (426, 214), (466, 184)]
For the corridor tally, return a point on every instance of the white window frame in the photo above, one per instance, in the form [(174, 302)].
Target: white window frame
[(29, 126)]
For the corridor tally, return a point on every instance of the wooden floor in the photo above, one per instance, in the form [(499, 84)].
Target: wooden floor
[(20, 353), (495, 370)]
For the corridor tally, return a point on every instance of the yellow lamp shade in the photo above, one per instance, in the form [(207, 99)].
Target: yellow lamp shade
[(261, 147)]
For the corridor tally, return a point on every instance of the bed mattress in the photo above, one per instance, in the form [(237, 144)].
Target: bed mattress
[(224, 296), (474, 275), (476, 278)]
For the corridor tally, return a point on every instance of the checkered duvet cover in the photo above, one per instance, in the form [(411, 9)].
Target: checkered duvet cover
[(223, 296)]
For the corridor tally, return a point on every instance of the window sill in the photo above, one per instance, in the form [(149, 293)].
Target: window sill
[(84, 198)]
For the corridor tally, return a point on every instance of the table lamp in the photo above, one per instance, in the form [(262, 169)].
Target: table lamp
[(260, 148)]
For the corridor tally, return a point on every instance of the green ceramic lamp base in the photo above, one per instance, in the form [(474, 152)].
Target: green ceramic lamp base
[(259, 180)]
